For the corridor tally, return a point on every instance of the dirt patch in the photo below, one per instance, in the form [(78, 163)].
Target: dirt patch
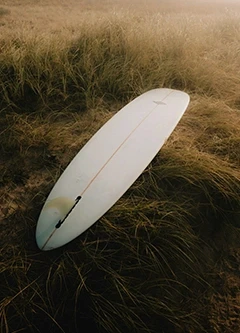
[(224, 306)]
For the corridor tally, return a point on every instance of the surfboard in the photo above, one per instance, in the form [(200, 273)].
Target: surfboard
[(108, 165)]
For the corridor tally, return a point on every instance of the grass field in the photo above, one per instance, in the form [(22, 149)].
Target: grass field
[(166, 257)]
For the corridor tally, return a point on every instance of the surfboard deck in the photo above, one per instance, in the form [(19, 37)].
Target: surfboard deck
[(108, 165)]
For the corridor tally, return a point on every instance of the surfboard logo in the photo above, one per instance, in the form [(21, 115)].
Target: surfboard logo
[(159, 103)]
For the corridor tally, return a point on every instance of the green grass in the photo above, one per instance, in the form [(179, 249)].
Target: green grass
[(150, 264)]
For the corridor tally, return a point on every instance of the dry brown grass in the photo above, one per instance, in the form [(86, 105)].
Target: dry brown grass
[(165, 256)]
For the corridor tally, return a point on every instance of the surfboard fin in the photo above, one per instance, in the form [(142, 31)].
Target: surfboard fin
[(60, 222)]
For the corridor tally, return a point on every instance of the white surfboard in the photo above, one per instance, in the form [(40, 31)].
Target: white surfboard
[(108, 165)]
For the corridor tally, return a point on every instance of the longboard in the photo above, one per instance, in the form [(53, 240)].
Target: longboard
[(108, 165)]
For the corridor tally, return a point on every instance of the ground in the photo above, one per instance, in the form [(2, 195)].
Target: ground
[(193, 184)]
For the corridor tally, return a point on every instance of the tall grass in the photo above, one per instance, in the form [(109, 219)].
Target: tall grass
[(148, 264), (119, 55)]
